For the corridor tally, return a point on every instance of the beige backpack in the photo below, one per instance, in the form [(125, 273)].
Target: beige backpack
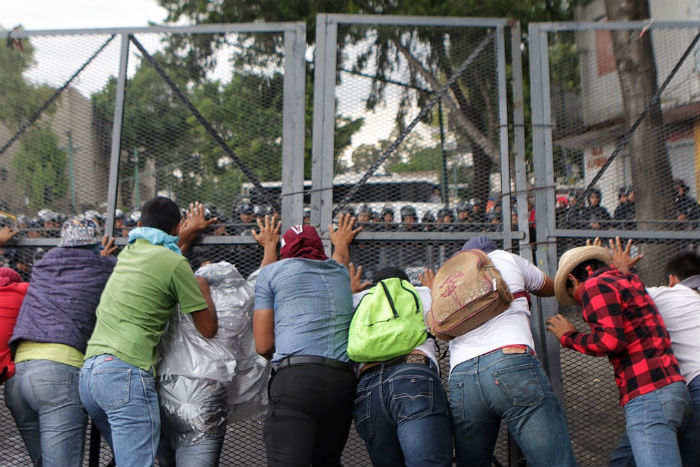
[(467, 291)]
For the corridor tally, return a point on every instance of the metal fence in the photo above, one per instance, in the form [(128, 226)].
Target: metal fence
[(417, 127), (615, 147)]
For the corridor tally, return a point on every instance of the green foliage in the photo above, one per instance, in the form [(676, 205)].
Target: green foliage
[(41, 167), (475, 93)]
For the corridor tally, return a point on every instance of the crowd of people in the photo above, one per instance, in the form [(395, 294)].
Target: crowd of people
[(576, 212), (81, 339)]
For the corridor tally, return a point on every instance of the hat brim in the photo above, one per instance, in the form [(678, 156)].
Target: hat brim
[(568, 262)]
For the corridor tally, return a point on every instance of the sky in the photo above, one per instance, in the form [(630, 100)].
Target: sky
[(57, 60), (71, 14)]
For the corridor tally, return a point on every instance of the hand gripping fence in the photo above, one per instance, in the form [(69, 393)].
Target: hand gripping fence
[(424, 111), (207, 126)]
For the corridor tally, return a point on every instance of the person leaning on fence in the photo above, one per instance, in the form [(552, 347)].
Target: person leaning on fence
[(216, 379), (401, 409), (303, 309), (12, 292), (679, 305), (151, 277), (627, 328), (496, 376), (54, 323)]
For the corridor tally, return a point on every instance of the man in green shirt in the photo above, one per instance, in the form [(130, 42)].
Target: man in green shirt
[(150, 280)]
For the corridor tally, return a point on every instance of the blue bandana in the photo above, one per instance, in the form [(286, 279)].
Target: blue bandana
[(155, 237)]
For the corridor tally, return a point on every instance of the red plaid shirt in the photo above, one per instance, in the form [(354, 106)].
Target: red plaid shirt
[(628, 329)]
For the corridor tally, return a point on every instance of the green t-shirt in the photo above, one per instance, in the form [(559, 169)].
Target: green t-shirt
[(139, 299)]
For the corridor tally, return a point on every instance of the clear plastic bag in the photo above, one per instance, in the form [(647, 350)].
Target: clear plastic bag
[(186, 358)]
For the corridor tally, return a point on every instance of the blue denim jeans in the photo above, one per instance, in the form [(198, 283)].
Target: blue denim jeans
[(44, 401), (514, 388), (657, 424), (403, 416), (123, 403), (202, 453)]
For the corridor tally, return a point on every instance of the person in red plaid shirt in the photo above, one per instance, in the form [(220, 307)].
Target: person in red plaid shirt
[(628, 329)]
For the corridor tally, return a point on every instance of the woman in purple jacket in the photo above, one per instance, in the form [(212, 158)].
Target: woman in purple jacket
[(52, 330)]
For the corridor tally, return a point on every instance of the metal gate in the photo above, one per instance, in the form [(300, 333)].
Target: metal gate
[(615, 153)]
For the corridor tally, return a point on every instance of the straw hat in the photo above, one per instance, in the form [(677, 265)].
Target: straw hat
[(569, 261)]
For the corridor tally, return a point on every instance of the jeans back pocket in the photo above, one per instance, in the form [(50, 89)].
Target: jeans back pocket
[(110, 388)]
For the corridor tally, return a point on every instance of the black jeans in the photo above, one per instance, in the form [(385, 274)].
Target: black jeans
[(309, 416)]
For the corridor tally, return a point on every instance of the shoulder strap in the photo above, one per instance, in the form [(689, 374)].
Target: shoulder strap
[(521, 294), (391, 301)]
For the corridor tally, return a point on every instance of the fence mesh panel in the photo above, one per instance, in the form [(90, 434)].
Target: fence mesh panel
[(651, 184), (443, 175)]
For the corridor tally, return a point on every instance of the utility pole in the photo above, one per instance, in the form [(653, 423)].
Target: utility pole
[(71, 170)]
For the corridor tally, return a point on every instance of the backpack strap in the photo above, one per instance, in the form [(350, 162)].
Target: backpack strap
[(391, 301), (521, 294)]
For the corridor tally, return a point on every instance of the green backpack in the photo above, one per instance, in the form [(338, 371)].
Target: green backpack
[(388, 322)]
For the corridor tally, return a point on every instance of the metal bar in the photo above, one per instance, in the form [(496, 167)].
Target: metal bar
[(634, 234), (545, 256), (51, 99), (198, 29), (504, 142), (94, 447), (398, 20), (444, 193), (113, 184), (324, 126), (519, 144), (293, 127), (206, 125), (614, 25), (431, 236)]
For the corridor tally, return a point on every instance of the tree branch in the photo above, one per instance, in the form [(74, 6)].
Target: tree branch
[(462, 120)]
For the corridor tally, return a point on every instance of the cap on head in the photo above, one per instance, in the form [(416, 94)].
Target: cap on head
[(79, 231), (480, 243), (568, 262)]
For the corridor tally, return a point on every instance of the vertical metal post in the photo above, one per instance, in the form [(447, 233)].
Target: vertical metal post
[(519, 145), (544, 196), (293, 126), (324, 126), (500, 46), (137, 183), (444, 194), (116, 136), (71, 169)]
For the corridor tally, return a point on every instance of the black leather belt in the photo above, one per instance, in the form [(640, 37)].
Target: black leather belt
[(293, 360), (400, 360)]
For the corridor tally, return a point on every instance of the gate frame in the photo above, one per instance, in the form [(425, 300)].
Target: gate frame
[(293, 131), (543, 163)]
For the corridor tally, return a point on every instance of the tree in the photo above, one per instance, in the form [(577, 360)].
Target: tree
[(472, 102), (650, 164), (41, 167), (40, 164)]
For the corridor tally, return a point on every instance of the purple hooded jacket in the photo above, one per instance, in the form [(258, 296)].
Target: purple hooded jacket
[(63, 294)]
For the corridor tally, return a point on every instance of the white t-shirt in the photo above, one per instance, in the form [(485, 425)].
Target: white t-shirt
[(428, 347), (512, 327), (680, 308)]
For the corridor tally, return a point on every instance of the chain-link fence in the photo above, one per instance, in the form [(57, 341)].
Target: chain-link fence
[(616, 154), (418, 130)]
